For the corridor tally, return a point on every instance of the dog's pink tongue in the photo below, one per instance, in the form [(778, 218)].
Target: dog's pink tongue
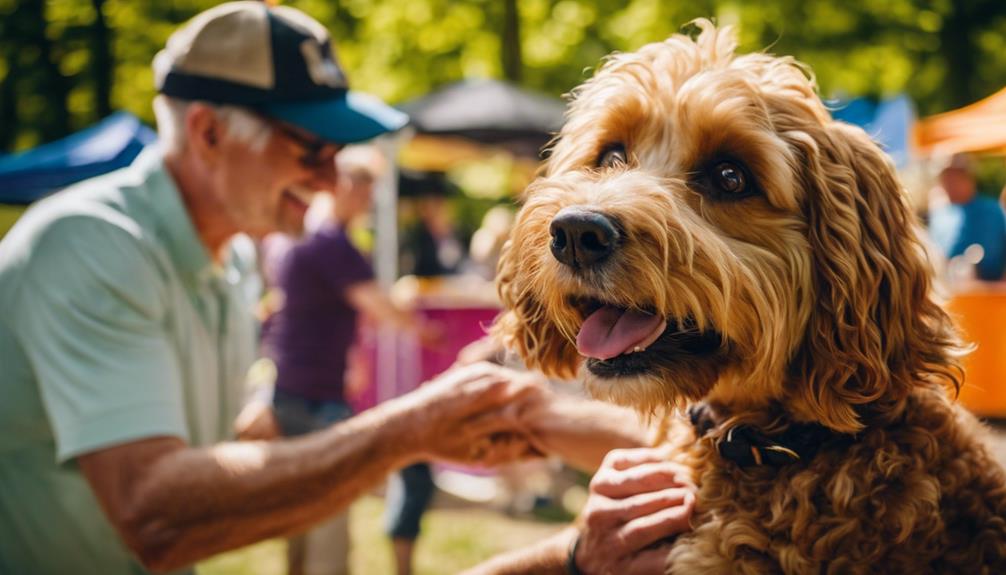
[(611, 331)]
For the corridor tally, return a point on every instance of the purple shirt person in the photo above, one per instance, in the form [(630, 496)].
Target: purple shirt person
[(310, 336)]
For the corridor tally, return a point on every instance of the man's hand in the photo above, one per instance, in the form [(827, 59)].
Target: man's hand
[(256, 422), (470, 414), (638, 500)]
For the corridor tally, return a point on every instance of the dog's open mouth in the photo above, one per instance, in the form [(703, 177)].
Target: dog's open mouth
[(618, 341)]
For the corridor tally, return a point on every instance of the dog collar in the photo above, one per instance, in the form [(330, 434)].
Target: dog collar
[(746, 446)]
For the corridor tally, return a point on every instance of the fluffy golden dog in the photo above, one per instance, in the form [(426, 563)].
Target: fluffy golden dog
[(705, 234)]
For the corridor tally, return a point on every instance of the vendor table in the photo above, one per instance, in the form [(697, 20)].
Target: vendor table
[(980, 310)]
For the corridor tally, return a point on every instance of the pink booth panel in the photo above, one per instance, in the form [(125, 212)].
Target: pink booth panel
[(413, 363)]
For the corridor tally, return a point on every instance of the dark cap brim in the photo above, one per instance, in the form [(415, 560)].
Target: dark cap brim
[(347, 119)]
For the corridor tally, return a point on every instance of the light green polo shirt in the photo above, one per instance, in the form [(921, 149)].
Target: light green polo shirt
[(114, 326)]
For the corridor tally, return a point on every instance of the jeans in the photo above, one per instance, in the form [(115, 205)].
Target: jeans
[(408, 496), (299, 415), (324, 550)]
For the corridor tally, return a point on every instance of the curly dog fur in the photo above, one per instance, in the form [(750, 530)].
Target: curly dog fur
[(800, 256)]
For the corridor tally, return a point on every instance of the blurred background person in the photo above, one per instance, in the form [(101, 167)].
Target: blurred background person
[(431, 246), (487, 242), (324, 282), (968, 219)]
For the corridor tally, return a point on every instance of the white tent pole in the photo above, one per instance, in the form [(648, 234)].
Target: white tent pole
[(386, 211), (386, 258)]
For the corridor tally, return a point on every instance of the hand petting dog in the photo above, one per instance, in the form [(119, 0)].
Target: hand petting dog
[(638, 502), (470, 415)]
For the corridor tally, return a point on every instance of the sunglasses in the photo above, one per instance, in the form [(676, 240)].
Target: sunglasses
[(317, 152)]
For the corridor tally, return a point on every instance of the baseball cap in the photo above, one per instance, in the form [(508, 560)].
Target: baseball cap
[(275, 60)]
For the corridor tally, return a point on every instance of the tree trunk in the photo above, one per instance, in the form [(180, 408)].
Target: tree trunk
[(512, 62), (53, 121), (8, 93), (959, 51), (102, 62)]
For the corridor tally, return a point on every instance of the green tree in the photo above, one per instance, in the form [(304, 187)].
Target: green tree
[(66, 63), (39, 90)]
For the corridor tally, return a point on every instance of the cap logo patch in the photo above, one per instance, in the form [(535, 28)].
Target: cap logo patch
[(320, 65)]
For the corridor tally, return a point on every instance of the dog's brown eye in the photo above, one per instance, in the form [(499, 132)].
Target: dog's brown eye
[(724, 180), (612, 157), (729, 178)]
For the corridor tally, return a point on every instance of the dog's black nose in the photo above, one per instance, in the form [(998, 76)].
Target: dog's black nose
[(582, 238)]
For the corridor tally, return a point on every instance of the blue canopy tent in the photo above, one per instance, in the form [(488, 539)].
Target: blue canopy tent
[(889, 122), (110, 144)]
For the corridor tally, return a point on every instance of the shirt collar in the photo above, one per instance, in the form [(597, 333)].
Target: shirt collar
[(171, 218)]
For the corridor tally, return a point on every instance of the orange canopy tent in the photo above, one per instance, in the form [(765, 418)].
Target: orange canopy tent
[(981, 308), (979, 127)]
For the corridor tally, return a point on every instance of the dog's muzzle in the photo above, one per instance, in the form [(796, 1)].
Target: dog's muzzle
[(582, 238)]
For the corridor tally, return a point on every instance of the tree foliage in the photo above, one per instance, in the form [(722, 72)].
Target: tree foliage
[(66, 63)]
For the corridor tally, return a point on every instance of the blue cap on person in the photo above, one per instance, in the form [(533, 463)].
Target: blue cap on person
[(275, 60)]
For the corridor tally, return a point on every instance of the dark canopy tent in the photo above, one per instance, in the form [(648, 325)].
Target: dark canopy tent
[(488, 112), (460, 122), (416, 184), (108, 145)]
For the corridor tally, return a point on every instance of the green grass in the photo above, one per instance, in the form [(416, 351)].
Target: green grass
[(452, 540), (8, 215)]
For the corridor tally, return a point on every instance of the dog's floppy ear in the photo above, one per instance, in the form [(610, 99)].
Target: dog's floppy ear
[(525, 326), (874, 328)]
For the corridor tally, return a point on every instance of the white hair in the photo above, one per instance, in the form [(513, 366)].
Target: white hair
[(242, 124)]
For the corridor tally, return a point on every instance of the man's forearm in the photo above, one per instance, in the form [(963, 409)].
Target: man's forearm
[(173, 504), (199, 502), (545, 558)]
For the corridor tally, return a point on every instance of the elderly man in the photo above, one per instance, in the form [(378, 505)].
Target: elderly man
[(124, 338)]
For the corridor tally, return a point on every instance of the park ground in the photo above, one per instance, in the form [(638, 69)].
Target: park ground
[(455, 537)]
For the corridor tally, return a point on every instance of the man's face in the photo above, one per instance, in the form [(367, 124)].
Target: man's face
[(357, 193), (267, 190), (959, 185)]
